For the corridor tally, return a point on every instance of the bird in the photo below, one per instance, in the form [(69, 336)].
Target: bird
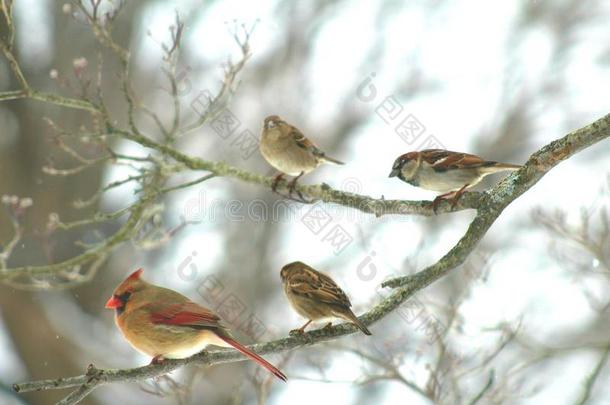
[(450, 173), (165, 324), (315, 296), (286, 149)]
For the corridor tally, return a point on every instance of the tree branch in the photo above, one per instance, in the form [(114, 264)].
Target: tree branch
[(104, 126), (491, 205), (320, 192), (593, 377)]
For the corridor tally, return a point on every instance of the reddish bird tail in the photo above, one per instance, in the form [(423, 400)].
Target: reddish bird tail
[(255, 357)]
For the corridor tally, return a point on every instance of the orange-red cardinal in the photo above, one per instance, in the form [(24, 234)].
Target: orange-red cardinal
[(162, 323)]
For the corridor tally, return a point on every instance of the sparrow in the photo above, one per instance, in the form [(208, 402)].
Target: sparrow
[(451, 173), (315, 296), (286, 149), (163, 323)]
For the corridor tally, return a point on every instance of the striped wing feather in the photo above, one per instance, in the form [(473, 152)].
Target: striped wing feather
[(317, 286), (442, 160), (303, 142)]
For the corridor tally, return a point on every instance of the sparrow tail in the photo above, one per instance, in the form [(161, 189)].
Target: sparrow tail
[(255, 357), (495, 167), (333, 161), (359, 324)]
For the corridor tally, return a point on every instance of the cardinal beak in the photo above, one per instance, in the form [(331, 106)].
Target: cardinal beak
[(114, 302), (394, 173)]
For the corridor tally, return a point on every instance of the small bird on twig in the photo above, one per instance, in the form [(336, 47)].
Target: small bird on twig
[(448, 172), (316, 296), (286, 149)]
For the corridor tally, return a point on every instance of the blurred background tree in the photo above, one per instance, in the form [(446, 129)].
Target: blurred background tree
[(496, 80)]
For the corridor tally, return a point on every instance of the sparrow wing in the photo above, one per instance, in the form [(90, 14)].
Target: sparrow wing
[(187, 314), (302, 142), (443, 160), (318, 287)]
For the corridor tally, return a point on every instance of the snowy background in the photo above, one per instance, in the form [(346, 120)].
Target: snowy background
[(499, 79)]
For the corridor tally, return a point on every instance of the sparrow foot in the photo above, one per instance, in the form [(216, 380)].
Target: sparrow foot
[(327, 326), (458, 195), (439, 198), (157, 360), (300, 333), (292, 187), (301, 330), (435, 203), (297, 199), (453, 197), (276, 182), (296, 332)]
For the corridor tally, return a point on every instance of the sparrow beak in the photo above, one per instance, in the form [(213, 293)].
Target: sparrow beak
[(394, 173), (114, 302)]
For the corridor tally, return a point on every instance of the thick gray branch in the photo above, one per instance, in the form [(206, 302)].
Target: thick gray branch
[(320, 192), (491, 205)]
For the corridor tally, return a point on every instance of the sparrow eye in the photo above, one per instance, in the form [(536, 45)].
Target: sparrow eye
[(271, 124)]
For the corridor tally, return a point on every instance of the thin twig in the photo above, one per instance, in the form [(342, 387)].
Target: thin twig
[(593, 377)]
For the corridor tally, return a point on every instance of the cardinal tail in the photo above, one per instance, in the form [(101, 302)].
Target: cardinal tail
[(255, 357)]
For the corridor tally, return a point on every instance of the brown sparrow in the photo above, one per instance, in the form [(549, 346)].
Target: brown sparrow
[(316, 296), (289, 151), (448, 172)]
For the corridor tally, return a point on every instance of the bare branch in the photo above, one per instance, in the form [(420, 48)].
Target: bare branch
[(593, 377), (493, 202), (486, 388)]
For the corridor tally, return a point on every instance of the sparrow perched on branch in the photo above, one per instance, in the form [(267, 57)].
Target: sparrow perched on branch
[(316, 296), (448, 172), (289, 151), (164, 324)]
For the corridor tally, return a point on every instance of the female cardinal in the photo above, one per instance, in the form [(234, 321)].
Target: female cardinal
[(163, 324)]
